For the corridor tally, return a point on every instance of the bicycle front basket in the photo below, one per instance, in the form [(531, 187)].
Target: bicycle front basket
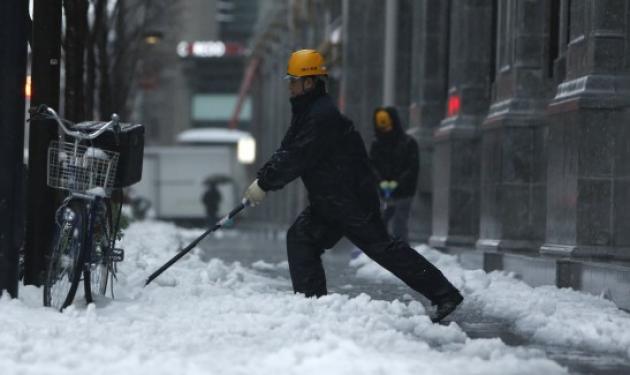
[(81, 169)]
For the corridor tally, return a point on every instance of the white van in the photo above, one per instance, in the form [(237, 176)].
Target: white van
[(175, 178)]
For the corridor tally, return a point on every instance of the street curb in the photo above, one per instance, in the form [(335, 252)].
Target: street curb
[(609, 280)]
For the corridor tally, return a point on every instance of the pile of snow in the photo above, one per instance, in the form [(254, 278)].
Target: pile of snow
[(217, 318), (546, 314), (95, 153), (98, 191), (261, 265)]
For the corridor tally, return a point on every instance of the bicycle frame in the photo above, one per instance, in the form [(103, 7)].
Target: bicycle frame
[(92, 202)]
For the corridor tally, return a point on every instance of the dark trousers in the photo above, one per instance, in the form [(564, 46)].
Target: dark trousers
[(311, 234)]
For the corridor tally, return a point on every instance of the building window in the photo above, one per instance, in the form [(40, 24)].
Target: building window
[(218, 108)]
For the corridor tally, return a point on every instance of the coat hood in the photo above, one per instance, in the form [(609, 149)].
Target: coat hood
[(397, 126)]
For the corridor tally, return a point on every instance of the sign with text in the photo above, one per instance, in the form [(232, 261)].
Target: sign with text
[(209, 49)]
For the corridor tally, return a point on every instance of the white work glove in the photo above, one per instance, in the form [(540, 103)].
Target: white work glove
[(254, 194)]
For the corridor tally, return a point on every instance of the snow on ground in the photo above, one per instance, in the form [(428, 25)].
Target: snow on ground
[(218, 318), (261, 265), (546, 314)]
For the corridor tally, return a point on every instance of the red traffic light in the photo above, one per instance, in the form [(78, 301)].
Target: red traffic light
[(454, 104)]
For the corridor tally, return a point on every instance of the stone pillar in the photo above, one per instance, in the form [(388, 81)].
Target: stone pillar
[(513, 168), (429, 85), (362, 82), (588, 179), (404, 59), (456, 161)]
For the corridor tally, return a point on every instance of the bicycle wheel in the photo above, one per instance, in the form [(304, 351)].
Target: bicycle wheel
[(100, 266), (67, 257)]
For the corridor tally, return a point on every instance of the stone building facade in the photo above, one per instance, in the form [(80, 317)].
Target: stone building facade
[(522, 112)]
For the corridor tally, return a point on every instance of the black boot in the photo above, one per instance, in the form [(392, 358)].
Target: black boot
[(446, 305)]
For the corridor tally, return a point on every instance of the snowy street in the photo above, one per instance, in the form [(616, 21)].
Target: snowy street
[(228, 308), (213, 149)]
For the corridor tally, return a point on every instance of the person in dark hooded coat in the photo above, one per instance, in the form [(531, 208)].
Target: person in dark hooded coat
[(395, 161), (322, 147)]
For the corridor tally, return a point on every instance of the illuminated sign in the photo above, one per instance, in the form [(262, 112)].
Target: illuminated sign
[(246, 150), (209, 49), (27, 88), (454, 105)]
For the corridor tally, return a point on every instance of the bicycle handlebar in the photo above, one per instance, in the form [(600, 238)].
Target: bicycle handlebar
[(81, 135)]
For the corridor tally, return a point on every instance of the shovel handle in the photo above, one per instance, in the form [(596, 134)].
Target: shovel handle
[(219, 224)]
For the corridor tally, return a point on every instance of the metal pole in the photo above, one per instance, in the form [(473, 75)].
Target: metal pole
[(45, 78), (389, 69), (13, 39)]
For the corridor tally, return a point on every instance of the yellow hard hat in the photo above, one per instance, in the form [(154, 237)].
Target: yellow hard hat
[(306, 62), (383, 121)]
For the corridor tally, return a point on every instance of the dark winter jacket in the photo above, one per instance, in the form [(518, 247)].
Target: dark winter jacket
[(394, 156), (322, 147)]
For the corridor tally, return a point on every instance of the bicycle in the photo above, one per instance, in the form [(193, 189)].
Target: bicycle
[(85, 234)]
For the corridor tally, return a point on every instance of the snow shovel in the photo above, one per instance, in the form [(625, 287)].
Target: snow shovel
[(185, 251)]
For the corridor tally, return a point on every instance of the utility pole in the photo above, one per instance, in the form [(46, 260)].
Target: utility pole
[(13, 39), (389, 68), (46, 56)]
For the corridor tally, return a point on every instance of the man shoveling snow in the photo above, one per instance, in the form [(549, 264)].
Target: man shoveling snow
[(322, 147)]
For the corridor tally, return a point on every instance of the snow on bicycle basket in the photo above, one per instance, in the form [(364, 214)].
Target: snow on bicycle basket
[(81, 169)]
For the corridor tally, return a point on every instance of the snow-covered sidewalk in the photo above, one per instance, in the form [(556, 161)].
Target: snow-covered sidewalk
[(217, 318), (546, 314)]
